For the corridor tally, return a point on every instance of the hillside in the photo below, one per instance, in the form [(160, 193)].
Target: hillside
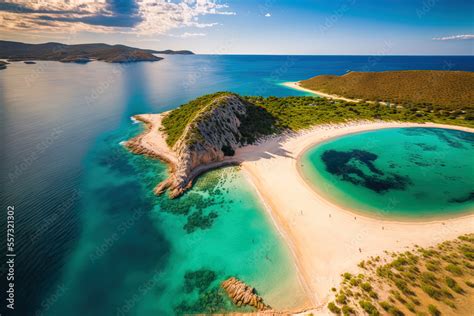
[(170, 52), (206, 130), (449, 89), (422, 281), (81, 53)]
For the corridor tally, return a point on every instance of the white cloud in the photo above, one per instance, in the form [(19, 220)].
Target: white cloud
[(268, 15), (455, 37), (187, 35), (162, 16), (151, 16)]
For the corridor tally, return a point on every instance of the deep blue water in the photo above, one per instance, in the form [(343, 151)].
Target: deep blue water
[(55, 119)]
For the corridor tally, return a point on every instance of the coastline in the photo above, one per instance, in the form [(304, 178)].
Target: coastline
[(304, 217), (297, 86), (325, 239)]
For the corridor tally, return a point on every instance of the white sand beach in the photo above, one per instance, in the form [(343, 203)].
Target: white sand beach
[(296, 85), (325, 239)]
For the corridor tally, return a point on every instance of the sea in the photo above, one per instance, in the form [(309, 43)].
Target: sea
[(90, 238)]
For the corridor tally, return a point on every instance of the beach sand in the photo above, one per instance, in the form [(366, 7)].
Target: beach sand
[(297, 85), (325, 239)]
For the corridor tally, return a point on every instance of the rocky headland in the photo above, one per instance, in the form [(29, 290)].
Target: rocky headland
[(214, 130)]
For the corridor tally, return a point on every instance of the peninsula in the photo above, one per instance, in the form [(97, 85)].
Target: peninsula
[(80, 53), (266, 137)]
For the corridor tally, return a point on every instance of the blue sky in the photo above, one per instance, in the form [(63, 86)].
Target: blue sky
[(349, 27)]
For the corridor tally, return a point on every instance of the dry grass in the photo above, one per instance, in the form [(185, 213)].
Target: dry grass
[(452, 89)]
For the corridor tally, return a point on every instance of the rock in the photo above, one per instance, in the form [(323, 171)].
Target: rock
[(213, 130), (243, 295)]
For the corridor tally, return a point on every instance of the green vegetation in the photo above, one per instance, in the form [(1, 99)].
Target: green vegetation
[(176, 121), (369, 308), (266, 116), (433, 310), (449, 89), (333, 308), (405, 284)]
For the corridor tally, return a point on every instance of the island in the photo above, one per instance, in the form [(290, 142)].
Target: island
[(80, 53), (266, 138)]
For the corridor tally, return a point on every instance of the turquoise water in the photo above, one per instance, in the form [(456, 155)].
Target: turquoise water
[(90, 239), (136, 249), (400, 172)]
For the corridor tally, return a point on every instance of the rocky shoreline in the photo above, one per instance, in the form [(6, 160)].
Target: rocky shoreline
[(208, 142), (182, 172)]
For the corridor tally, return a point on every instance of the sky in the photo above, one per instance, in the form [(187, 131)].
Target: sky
[(311, 27)]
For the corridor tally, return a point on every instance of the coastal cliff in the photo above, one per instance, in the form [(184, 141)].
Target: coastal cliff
[(200, 135), (212, 135)]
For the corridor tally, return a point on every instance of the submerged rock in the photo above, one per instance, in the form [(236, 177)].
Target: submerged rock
[(243, 295)]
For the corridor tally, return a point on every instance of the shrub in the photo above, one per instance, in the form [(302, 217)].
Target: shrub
[(452, 284), (410, 307), (385, 305), (429, 278), (431, 291), (434, 311), (354, 282), (366, 286), (403, 286), (392, 310), (347, 276), (333, 308), (369, 308), (470, 284), (347, 310), (431, 266), (341, 299), (450, 304), (454, 269)]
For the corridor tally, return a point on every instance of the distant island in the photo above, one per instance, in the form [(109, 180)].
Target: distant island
[(80, 53)]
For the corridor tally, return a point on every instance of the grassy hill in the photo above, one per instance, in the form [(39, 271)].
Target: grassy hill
[(422, 281), (450, 89)]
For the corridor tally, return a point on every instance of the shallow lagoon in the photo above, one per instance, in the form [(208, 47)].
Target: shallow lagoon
[(399, 172)]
